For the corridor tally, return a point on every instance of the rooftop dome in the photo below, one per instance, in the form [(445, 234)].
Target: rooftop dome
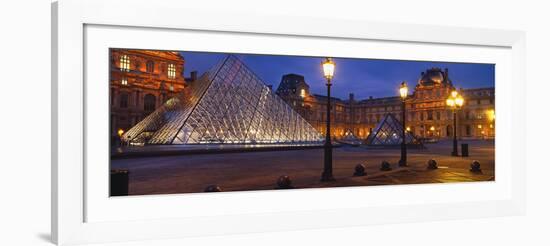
[(433, 76)]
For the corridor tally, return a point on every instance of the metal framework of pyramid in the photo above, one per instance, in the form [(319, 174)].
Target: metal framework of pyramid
[(350, 138), (227, 105), (388, 132)]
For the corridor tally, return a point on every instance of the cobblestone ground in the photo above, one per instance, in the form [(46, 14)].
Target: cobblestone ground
[(260, 170)]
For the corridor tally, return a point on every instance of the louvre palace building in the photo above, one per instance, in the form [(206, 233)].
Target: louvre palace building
[(427, 113), (230, 104), (141, 81)]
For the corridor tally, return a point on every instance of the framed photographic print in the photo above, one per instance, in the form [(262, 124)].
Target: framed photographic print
[(262, 125)]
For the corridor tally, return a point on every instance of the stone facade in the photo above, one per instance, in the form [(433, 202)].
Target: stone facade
[(140, 81), (427, 114)]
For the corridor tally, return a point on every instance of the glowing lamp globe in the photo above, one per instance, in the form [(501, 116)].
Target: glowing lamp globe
[(459, 101), (454, 94), (403, 90), (450, 102), (328, 68)]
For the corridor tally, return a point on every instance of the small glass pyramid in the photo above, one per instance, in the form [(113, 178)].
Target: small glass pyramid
[(389, 132)]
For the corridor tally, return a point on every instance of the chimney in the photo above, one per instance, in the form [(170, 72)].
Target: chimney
[(193, 75)]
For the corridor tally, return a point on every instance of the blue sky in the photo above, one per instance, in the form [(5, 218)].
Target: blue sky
[(363, 77)]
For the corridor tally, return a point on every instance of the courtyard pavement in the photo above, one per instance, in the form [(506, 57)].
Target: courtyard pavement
[(260, 170)]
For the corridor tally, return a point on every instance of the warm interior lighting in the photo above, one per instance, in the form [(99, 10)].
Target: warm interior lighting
[(479, 126), (120, 132), (408, 129), (328, 68), (303, 93), (124, 63), (432, 128), (171, 71), (403, 90)]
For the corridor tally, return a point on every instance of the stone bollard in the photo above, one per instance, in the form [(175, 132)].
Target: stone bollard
[(359, 170), (432, 164), (284, 182), (212, 188), (119, 182), (475, 167), (385, 166)]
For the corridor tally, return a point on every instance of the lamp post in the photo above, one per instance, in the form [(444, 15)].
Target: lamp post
[(328, 71), (403, 91), (120, 132), (455, 101)]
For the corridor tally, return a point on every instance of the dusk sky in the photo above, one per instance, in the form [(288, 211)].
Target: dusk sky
[(363, 77)]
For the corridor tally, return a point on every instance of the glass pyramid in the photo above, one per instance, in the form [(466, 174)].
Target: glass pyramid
[(227, 105), (388, 132), (350, 138)]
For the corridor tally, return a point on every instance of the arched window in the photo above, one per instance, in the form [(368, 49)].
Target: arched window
[(149, 102), (123, 100), (150, 66), (124, 63)]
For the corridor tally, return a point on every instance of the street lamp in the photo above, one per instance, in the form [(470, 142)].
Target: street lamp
[(328, 71), (403, 91), (455, 101), (120, 132)]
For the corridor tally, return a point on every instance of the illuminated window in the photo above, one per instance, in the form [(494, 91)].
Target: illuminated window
[(171, 71), (479, 126), (303, 93), (124, 63), (171, 87), (124, 81)]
